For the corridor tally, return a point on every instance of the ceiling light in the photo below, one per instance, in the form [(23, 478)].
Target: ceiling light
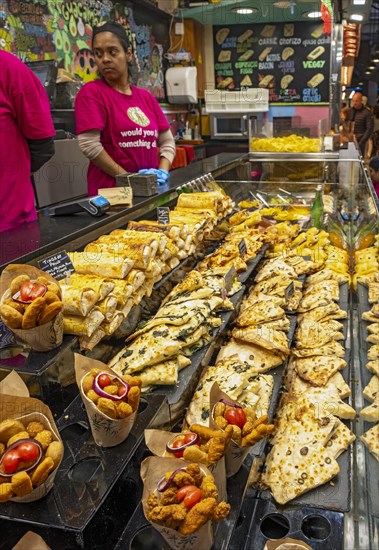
[(244, 11), (372, 67), (351, 94), (376, 60), (343, 96), (360, 83), (314, 14), (367, 72), (359, 2), (356, 17)]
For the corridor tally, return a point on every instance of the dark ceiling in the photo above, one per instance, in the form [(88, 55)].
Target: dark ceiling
[(369, 50)]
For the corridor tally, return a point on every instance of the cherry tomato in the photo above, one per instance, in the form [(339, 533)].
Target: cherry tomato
[(28, 450), (237, 417), (10, 461), (121, 391), (190, 494), (179, 442), (104, 380), (39, 289), (188, 438), (26, 291)]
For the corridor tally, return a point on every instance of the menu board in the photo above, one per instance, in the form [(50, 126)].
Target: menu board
[(290, 59)]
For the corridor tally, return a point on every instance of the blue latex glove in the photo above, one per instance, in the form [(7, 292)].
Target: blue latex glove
[(162, 175)]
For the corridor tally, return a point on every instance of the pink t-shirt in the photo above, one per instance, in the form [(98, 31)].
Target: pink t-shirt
[(129, 126), (24, 114)]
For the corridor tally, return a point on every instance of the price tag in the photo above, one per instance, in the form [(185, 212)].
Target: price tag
[(229, 278), (290, 291), (58, 265), (7, 337), (242, 247), (163, 214)]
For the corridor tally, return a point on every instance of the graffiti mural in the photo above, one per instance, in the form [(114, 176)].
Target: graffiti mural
[(37, 30)]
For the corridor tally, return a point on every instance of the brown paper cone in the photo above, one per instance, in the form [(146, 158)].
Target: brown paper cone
[(153, 469), (235, 454), (40, 338), (28, 409), (287, 544), (156, 441), (13, 384), (31, 541), (106, 432)]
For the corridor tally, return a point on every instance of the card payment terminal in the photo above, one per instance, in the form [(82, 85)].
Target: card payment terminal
[(96, 206)]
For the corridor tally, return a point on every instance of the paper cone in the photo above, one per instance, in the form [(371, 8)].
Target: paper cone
[(106, 431), (234, 454), (152, 470), (31, 541), (287, 544), (156, 441), (40, 338), (28, 409)]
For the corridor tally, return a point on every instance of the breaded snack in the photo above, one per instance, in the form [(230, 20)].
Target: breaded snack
[(87, 384), (49, 312), (55, 452), (198, 516), (182, 478), (169, 496), (216, 448), (34, 428), (193, 453), (2, 448), (133, 397), (9, 428), (195, 472), (171, 516), (92, 395), (17, 437), (11, 317), (51, 297), (107, 407), (43, 469), (17, 282), (32, 312), (16, 305), (52, 287), (6, 491), (45, 438), (21, 484), (209, 487), (124, 410), (221, 511), (132, 380)]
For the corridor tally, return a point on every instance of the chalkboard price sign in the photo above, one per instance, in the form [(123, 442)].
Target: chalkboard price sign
[(290, 59), (58, 265)]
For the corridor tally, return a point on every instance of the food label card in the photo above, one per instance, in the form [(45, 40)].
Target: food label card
[(242, 247), (163, 214), (57, 265), (290, 290)]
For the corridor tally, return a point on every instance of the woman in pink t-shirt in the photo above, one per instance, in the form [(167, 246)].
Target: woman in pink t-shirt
[(120, 126), (374, 173), (26, 139)]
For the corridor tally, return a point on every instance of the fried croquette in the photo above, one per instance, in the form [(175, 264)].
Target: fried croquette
[(124, 410), (32, 312), (221, 511), (11, 317), (16, 305), (209, 487), (17, 437), (9, 428), (133, 397), (55, 452), (45, 438), (49, 312), (33, 428), (42, 471), (107, 407), (21, 484), (6, 492), (171, 516), (17, 283), (169, 496)]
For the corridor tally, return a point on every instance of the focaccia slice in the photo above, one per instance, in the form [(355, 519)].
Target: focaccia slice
[(373, 366), (373, 352), (370, 413), (275, 268), (318, 369), (340, 440), (259, 313), (371, 440), (331, 348), (371, 391), (262, 336), (258, 358)]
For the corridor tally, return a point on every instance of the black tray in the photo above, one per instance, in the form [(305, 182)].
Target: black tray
[(88, 478), (252, 264), (261, 521)]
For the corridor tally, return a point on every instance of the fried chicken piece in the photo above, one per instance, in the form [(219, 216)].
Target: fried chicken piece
[(195, 472), (11, 317), (93, 396), (45, 438), (216, 449), (33, 428), (43, 469), (237, 434), (221, 511), (124, 410), (17, 437), (182, 478), (6, 492), (152, 501), (49, 312), (32, 312), (260, 429), (193, 453), (169, 496), (17, 283), (107, 407), (204, 432), (228, 434), (209, 487), (169, 516), (21, 484), (87, 383), (2, 448), (198, 516), (221, 422)]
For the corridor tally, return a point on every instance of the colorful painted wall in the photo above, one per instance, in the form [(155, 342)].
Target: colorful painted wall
[(62, 30)]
